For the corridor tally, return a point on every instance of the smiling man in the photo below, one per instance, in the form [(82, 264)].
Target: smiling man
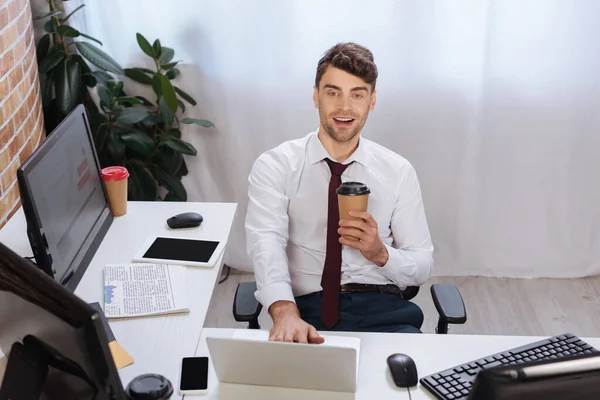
[(293, 229)]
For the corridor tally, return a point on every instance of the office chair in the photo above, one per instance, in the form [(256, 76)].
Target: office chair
[(446, 297)]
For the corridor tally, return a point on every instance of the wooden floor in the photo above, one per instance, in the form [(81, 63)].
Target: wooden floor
[(499, 306)]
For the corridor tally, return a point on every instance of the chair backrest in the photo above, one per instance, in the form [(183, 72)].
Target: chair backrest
[(410, 292)]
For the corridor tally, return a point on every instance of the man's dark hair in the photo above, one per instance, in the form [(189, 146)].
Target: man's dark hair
[(352, 58)]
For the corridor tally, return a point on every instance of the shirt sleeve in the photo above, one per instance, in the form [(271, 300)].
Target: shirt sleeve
[(267, 230), (411, 253)]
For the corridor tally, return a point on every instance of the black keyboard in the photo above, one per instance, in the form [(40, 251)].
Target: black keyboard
[(455, 383)]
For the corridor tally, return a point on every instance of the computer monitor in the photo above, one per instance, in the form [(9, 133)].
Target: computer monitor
[(58, 329), (64, 200)]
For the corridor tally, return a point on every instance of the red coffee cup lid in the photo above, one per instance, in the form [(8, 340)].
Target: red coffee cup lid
[(114, 173)]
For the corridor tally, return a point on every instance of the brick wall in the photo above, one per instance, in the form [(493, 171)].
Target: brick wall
[(21, 120)]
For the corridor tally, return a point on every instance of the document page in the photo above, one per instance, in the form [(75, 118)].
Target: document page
[(132, 290)]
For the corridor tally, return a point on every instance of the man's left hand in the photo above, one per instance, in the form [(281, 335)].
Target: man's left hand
[(364, 228)]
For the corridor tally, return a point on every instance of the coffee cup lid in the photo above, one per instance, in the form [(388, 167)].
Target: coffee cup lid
[(149, 387), (115, 173), (353, 189)]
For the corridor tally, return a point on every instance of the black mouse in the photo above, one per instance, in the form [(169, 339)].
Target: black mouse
[(185, 220), (403, 369)]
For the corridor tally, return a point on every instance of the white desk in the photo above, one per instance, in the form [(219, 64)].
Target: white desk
[(157, 344), (431, 353)]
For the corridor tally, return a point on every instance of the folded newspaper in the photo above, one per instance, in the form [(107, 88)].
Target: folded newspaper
[(134, 290)]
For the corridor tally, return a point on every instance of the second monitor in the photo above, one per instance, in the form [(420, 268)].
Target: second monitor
[(64, 200)]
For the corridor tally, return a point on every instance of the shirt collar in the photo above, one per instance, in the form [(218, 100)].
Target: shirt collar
[(317, 153)]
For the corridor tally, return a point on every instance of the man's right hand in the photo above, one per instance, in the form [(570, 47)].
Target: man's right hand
[(289, 327)]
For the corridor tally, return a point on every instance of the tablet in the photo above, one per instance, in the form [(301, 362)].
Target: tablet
[(182, 251)]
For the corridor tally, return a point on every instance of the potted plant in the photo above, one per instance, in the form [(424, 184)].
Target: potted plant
[(63, 68), (143, 135)]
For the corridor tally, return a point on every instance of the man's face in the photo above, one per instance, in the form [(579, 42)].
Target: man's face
[(344, 102)]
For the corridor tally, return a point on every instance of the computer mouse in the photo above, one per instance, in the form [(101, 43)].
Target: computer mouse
[(185, 220), (403, 369)]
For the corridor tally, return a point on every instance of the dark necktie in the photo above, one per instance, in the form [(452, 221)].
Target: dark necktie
[(332, 272)]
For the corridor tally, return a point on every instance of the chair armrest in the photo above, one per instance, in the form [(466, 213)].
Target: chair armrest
[(245, 306), (449, 303)]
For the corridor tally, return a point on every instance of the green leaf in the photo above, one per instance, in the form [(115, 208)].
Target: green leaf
[(84, 67), (181, 146), (104, 97), (145, 45), (169, 65), (71, 13), (89, 80), (100, 137), (185, 96), (132, 115), (66, 30), (129, 100), (181, 105), (99, 58), (47, 93), (166, 55), (202, 122), (183, 171), (146, 70), (170, 182), (168, 93), (169, 159), (138, 76), (157, 84), (157, 48), (140, 143), (144, 101), (171, 197), (68, 85), (115, 149), (43, 46), (49, 14), (50, 26), (141, 185), (174, 132), (165, 112), (172, 74), (91, 38), (102, 77), (51, 61)]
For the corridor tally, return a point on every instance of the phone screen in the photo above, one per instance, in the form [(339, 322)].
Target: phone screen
[(194, 373)]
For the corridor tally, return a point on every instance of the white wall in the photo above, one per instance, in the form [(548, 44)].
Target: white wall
[(494, 102)]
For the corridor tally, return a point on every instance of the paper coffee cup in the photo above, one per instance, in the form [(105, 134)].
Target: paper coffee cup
[(352, 196), (149, 387), (115, 181)]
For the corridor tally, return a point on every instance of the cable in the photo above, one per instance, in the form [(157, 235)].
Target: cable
[(409, 395), (226, 275)]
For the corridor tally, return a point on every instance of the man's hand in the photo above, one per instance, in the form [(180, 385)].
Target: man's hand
[(289, 327), (364, 229)]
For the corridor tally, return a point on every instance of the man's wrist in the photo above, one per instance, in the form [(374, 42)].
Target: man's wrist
[(382, 257), (283, 308)]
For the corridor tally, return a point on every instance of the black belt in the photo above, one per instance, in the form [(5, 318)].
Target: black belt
[(363, 287)]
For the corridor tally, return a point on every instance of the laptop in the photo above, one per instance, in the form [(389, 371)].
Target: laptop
[(249, 358)]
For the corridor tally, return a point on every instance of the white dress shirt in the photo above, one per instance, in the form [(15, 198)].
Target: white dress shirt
[(286, 221)]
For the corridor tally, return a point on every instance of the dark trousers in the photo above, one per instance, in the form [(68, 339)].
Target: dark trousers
[(365, 312)]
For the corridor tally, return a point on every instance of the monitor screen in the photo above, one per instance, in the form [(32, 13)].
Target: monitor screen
[(64, 199)]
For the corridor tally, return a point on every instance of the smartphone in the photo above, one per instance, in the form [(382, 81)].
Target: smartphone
[(194, 375)]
